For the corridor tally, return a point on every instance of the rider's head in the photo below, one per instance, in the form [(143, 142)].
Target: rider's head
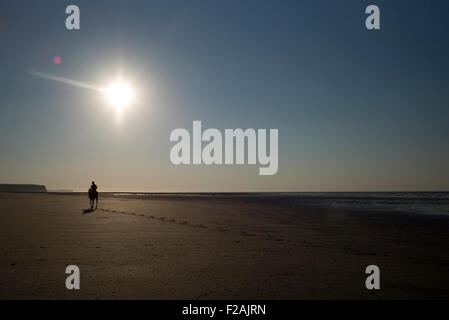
[(93, 182)]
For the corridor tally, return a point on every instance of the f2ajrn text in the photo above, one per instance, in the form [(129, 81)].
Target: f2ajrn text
[(231, 309)]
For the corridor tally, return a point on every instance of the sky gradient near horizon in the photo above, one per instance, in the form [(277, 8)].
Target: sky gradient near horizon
[(356, 110)]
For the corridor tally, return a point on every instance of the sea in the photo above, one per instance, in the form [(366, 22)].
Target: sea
[(408, 202)]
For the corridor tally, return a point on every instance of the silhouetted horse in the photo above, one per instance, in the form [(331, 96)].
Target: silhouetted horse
[(93, 195)]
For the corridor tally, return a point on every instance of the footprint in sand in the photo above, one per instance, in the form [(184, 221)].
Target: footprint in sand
[(166, 220)]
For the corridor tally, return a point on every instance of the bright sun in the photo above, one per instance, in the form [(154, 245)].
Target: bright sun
[(119, 94)]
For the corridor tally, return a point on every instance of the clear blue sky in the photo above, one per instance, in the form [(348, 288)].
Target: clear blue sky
[(356, 109)]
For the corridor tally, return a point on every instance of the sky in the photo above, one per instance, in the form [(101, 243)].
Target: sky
[(356, 109)]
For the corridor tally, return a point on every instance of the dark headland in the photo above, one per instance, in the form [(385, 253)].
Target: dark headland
[(22, 188)]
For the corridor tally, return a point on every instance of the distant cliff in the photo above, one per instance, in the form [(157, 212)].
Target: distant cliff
[(22, 188)]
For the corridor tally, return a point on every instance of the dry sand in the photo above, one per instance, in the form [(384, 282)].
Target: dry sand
[(214, 247)]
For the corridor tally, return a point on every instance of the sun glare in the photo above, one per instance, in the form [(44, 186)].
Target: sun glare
[(119, 94)]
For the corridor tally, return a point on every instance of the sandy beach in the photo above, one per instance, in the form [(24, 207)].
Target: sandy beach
[(215, 247)]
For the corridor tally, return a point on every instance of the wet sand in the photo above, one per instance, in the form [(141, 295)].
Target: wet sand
[(215, 247)]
